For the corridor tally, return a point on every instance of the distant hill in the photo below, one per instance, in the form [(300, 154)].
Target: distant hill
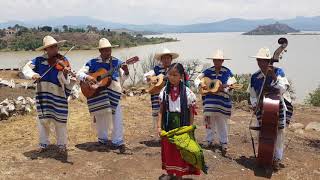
[(272, 29), (228, 25)]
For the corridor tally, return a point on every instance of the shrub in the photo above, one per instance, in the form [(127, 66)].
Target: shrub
[(314, 98), (242, 94)]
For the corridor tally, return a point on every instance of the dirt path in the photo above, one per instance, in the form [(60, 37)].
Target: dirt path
[(86, 160)]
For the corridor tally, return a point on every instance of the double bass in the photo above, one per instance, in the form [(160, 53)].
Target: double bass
[(269, 105)]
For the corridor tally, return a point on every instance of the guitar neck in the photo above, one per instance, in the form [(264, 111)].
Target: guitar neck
[(109, 73), (113, 69)]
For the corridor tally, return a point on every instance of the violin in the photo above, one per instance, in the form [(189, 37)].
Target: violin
[(60, 63)]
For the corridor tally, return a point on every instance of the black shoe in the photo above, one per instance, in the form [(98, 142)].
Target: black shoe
[(166, 177), (224, 149), (276, 165), (122, 148), (102, 142)]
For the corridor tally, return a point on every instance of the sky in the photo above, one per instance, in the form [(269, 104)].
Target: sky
[(158, 11)]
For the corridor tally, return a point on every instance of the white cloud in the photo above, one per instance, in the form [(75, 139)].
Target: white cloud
[(158, 11)]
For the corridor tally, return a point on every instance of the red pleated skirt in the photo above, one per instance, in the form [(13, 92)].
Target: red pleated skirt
[(172, 161)]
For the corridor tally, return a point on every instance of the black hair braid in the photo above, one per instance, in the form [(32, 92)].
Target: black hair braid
[(165, 106)]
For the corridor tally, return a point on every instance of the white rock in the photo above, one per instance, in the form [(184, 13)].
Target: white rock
[(313, 126), (4, 83), (28, 108), (299, 131), (30, 101), (11, 107), (10, 83), (5, 102), (3, 111), (131, 94), (295, 126), (20, 98)]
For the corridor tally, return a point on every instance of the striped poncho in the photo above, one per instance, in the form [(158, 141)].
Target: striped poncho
[(52, 91), (108, 98), (220, 102)]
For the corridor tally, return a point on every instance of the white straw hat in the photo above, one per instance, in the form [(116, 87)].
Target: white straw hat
[(166, 51), (104, 43), (49, 41), (219, 55), (263, 53)]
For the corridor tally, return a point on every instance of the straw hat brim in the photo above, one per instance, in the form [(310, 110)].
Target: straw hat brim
[(158, 56), (113, 46), (43, 47), (219, 58), (261, 57)]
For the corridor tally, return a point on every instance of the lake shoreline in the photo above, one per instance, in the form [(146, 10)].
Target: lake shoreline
[(92, 49), (199, 46)]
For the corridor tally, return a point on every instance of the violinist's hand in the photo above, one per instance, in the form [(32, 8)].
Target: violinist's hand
[(91, 80), (66, 70), (36, 77)]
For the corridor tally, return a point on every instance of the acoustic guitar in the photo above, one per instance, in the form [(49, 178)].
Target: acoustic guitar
[(213, 85), (103, 78), (156, 83)]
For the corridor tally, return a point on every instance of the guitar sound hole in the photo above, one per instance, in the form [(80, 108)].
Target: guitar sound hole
[(211, 85), (99, 78)]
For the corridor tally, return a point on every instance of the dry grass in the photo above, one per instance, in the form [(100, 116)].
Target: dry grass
[(19, 139)]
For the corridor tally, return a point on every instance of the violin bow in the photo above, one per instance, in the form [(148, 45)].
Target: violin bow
[(45, 73)]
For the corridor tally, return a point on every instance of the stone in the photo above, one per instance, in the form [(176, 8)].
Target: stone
[(11, 107), (299, 131), (313, 126), (295, 126), (21, 98), (5, 102), (30, 101), (3, 111), (27, 108)]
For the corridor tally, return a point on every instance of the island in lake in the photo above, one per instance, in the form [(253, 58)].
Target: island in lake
[(272, 29)]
